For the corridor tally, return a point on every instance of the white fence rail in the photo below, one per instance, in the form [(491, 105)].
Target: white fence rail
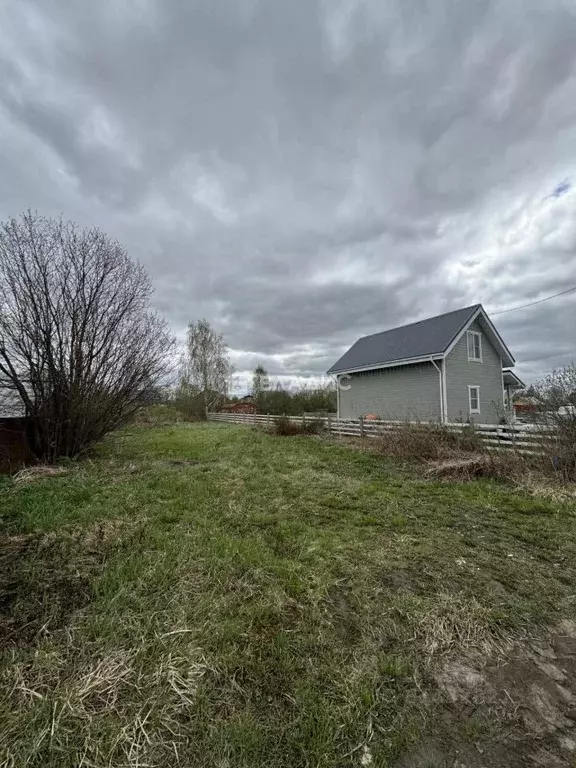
[(524, 438)]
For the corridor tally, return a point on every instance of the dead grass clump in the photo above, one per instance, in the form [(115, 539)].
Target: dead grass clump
[(285, 427), (527, 473), (548, 488), (489, 465), (428, 441), (460, 624), (30, 474), (124, 707)]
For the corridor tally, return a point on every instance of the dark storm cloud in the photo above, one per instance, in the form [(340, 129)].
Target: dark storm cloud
[(304, 173)]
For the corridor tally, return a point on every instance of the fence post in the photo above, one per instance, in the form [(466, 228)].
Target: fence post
[(361, 420), (303, 420), (329, 423)]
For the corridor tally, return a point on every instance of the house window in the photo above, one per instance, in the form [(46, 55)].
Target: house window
[(474, 399), (475, 346)]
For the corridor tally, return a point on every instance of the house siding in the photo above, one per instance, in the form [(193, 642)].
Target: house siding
[(461, 373), (406, 392)]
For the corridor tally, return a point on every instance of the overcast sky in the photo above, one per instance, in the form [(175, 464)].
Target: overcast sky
[(303, 173)]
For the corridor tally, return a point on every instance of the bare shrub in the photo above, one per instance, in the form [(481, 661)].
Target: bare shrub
[(79, 346), (158, 415), (313, 427), (285, 427), (428, 441), (561, 448), (192, 406), (556, 395), (460, 455)]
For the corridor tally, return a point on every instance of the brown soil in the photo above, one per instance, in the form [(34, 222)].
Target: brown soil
[(505, 713)]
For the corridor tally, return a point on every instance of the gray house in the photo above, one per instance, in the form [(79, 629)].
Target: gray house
[(453, 367)]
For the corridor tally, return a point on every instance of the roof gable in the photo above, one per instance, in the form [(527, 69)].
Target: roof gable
[(426, 338), (492, 334)]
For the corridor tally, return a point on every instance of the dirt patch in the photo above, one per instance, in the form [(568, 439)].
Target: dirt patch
[(408, 580), (341, 607), (46, 578), (509, 712)]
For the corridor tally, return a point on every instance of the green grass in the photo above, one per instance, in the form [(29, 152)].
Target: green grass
[(208, 595)]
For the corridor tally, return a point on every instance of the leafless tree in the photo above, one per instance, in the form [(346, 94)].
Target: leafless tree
[(557, 390), (556, 395), (205, 368), (79, 346)]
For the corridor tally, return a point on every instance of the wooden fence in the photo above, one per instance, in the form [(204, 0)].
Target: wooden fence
[(523, 438)]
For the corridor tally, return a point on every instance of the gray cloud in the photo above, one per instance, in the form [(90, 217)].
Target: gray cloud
[(304, 173)]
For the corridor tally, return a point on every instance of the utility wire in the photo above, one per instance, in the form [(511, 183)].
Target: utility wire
[(532, 303)]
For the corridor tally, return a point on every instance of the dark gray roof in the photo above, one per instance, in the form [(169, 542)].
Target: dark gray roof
[(426, 337)]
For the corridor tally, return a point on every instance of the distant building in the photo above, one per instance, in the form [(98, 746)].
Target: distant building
[(526, 405), (244, 405)]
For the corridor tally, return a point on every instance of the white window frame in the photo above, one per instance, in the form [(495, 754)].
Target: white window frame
[(472, 334), (473, 411)]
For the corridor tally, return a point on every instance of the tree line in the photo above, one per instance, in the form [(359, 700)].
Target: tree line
[(275, 398), (206, 378)]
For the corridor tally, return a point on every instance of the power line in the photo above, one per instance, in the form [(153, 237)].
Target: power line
[(532, 303)]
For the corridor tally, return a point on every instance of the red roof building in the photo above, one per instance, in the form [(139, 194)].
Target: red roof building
[(246, 405)]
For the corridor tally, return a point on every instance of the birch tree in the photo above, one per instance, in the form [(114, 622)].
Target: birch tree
[(206, 368), (260, 385)]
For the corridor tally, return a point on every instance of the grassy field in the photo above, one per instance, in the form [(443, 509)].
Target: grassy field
[(209, 595)]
